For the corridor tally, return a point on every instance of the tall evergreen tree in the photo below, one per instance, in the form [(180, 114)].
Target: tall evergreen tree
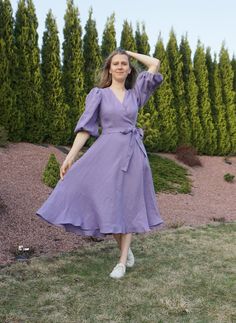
[(164, 100), (8, 112), (141, 40), (210, 69), (28, 79), (176, 66), (5, 88), (233, 64), (216, 103), (127, 40), (223, 139), (91, 52), (228, 95), (147, 120), (73, 78), (191, 92), (6, 32), (55, 120), (109, 37), (204, 103), (147, 117)]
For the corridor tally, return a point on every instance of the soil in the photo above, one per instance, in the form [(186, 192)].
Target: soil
[(22, 192)]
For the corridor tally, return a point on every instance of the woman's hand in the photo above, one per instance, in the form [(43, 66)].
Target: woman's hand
[(128, 52), (80, 139), (65, 166), (152, 63)]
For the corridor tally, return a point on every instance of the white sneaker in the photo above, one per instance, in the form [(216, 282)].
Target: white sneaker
[(118, 271), (130, 259)]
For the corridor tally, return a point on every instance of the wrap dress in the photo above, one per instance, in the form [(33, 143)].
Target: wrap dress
[(109, 189)]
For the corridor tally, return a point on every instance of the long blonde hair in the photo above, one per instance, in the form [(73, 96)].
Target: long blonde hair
[(105, 78)]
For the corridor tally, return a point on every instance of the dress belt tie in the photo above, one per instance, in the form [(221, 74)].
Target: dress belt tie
[(136, 134)]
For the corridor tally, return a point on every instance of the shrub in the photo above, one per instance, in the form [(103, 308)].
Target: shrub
[(3, 136), (51, 174), (188, 155), (229, 177)]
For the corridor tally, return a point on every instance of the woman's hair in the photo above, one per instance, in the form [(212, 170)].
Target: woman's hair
[(105, 78)]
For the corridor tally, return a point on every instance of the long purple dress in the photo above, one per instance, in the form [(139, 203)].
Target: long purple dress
[(110, 188)]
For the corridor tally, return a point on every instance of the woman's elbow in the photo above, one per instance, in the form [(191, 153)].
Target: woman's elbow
[(156, 64), (84, 134)]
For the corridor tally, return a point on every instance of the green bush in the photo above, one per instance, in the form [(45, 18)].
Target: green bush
[(229, 177), (3, 136), (51, 174)]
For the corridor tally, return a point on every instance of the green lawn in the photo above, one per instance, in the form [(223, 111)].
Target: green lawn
[(182, 275), (168, 176)]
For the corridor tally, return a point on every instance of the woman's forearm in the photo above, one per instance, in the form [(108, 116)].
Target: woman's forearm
[(151, 62), (80, 140)]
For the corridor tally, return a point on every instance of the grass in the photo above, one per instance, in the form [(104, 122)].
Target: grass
[(181, 275), (168, 176)]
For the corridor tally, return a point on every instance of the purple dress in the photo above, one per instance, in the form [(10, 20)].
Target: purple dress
[(110, 188)]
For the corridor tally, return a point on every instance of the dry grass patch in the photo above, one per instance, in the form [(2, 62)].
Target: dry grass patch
[(182, 275)]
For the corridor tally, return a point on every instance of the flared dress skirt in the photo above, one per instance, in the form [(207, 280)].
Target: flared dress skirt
[(109, 189)]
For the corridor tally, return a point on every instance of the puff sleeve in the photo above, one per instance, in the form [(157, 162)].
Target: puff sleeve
[(89, 120), (145, 85)]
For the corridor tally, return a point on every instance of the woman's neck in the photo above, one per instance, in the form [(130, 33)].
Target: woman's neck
[(117, 85)]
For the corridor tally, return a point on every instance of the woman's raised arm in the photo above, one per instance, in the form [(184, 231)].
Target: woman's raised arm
[(152, 63)]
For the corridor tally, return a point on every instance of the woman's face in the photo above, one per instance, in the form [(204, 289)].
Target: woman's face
[(119, 68)]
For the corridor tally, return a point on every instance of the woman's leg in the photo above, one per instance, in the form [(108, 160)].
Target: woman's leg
[(123, 241), (125, 244), (117, 237)]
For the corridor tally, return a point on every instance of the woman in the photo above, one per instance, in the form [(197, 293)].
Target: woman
[(109, 190)]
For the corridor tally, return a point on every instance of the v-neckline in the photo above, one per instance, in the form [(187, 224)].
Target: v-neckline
[(126, 91)]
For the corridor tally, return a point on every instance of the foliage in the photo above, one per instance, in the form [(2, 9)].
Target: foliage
[(109, 37), (164, 103), (51, 173), (188, 155), (27, 76), (55, 110), (168, 176), (127, 40), (73, 65), (3, 137), (204, 103), (10, 115), (177, 84), (91, 54), (196, 104), (228, 95), (229, 177), (191, 93)]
